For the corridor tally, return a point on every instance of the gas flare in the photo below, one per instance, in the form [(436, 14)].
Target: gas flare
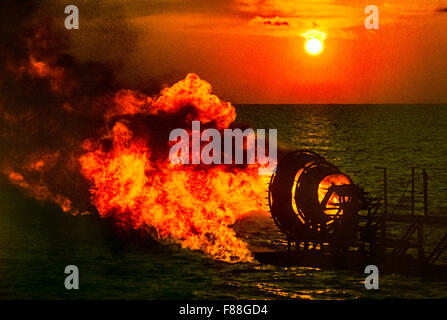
[(190, 204), (91, 147)]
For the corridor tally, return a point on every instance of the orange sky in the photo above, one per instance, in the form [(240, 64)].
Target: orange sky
[(252, 51)]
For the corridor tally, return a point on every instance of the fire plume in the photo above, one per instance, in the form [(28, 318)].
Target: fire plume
[(90, 147), (191, 205)]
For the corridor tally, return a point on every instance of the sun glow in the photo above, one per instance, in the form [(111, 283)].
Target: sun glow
[(314, 46), (314, 42)]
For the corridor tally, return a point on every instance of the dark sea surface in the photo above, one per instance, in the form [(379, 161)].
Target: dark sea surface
[(38, 240)]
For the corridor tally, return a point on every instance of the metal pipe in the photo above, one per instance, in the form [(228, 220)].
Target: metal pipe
[(385, 212), (425, 182), (385, 191), (421, 243), (412, 191)]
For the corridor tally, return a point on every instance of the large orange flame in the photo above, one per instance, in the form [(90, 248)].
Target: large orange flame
[(92, 140), (192, 205)]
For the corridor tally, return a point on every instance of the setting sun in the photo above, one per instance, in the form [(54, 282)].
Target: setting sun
[(314, 46), (314, 42)]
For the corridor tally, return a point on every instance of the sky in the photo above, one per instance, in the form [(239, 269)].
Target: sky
[(253, 51)]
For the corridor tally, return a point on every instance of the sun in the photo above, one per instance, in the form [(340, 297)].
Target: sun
[(314, 42), (314, 46)]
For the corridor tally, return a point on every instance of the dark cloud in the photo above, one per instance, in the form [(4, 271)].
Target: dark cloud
[(442, 10), (276, 23), (51, 99), (273, 21)]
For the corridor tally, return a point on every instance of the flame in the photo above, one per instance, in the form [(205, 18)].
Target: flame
[(328, 181), (41, 69), (39, 191), (35, 166), (190, 92), (191, 205), (112, 146)]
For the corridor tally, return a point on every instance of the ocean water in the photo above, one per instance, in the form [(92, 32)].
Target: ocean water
[(38, 240)]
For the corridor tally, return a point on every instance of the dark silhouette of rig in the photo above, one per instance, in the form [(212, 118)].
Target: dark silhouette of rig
[(331, 222)]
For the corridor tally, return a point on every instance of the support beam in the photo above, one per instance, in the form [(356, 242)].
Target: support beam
[(412, 191), (385, 210), (421, 254), (425, 182), (437, 252)]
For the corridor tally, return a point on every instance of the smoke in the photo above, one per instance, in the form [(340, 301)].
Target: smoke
[(49, 103), (69, 134)]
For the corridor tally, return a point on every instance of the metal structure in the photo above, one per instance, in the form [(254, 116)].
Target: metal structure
[(312, 202), (334, 223), (416, 223)]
